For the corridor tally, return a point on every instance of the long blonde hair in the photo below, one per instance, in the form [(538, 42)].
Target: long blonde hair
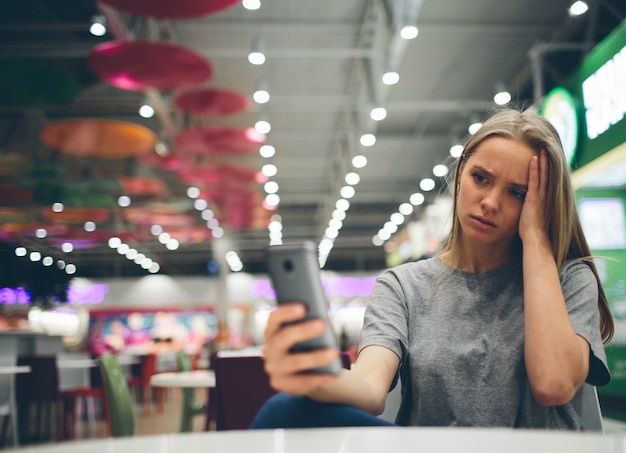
[(564, 228)]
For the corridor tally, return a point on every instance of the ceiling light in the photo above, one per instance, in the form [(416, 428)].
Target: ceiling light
[(578, 8), (263, 126), (267, 151), (359, 161), (397, 218), (391, 77), (67, 247), (502, 96), (269, 170), (90, 226), (338, 214), (58, 207), (155, 230), (272, 199), (405, 209), (427, 184), (368, 139), (417, 199), (440, 170), (172, 244), (163, 238), (261, 96), (474, 125), (98, 25), (251, 5), (342, 204), (347, 191), (35, 256), (193, 192), (384, 235), (146, 111), (41, 233), (409, 32), (275, 226), (123, 201), (378, 113), (352, 178), (256, 56), (271, 187), (456, 150), (390, 227)]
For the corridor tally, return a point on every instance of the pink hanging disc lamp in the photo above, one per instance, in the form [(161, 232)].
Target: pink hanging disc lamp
[(142, 65), (167, 9)]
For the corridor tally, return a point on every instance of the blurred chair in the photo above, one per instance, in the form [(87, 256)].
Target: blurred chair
[(119, 405), (140, 381), (588, 407), (241, 388), (80, 384), (191, 407), (39, 390), (8, 409)]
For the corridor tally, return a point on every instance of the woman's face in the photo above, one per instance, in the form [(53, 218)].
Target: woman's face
[(492, 186)]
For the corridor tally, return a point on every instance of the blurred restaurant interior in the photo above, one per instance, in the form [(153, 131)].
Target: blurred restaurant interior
[(151, 150)]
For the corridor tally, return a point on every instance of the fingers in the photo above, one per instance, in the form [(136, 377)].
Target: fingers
[(286, 369), (537, 177)]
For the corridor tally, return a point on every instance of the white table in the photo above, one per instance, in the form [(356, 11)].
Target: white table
[(16, 369), (190, 379), (12, 370), (195, 379), (354, 440)]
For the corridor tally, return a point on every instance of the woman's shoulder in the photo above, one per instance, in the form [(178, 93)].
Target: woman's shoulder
[(578, 267), (422, 267)]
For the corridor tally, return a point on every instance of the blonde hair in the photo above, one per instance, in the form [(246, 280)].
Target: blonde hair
[(564, 228)]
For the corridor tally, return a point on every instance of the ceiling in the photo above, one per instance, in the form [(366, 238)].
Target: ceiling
[(324, 62)]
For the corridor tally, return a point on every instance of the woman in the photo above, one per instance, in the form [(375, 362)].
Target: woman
[(499, 329)]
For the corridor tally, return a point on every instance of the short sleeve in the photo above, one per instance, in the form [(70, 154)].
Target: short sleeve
[(580, 290), (385, 320)]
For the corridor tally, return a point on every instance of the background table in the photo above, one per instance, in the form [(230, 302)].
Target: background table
[(196, 379)]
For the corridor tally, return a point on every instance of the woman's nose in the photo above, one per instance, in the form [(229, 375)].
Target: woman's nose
[(491, 202)]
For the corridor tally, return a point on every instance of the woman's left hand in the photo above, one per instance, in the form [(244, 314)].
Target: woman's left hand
[(533, 222)]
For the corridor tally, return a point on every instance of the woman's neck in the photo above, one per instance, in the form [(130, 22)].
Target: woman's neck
[(475, 259)]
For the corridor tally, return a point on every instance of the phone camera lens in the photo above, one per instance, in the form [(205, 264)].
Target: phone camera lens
[(288, 265)]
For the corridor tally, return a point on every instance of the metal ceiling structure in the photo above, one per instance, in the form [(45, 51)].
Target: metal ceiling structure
[(323, 69)]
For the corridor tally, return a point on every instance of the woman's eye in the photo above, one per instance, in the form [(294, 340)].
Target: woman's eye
[(479, 178), (518, 194)]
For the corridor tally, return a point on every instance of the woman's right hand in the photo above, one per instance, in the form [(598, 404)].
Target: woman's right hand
[(285, 369)]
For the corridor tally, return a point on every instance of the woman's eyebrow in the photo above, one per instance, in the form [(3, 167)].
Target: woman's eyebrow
[(481, 169)]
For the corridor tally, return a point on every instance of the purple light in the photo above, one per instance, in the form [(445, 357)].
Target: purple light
[(92, 294), (347, 287), (10, 296)]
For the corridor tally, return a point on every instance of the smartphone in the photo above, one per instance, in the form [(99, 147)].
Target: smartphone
[(295, 274)]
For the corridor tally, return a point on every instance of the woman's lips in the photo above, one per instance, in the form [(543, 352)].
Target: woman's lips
[(483, 223)]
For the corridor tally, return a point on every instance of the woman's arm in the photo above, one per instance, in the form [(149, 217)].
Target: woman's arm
[(557, 359), (365, 386)]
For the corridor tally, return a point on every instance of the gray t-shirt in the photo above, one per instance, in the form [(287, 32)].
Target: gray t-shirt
[(460, 340)]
